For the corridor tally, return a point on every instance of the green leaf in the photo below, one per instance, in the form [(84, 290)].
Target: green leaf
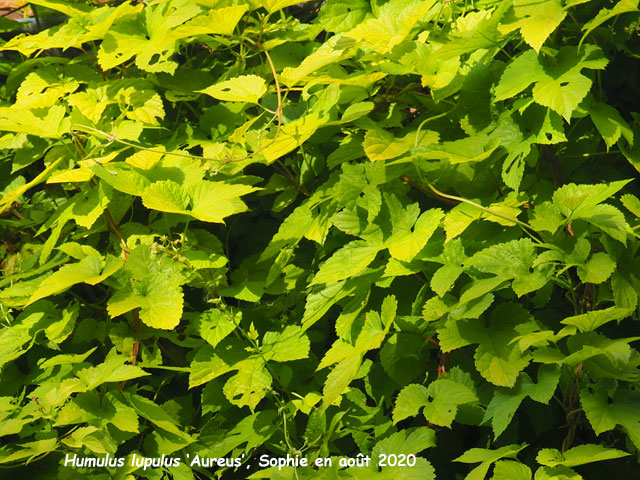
[(610, 124), (150, 39), (444, 397), (486, 457), (510, 470), (209, 364), (30, 450), (479, 288), (562, 94), (392, 24), (604, 413), (290, 344), (443, 279), (275, 5), (505, 402), (624, 295), (584, 202), (253, 430), (497, 360), (557, 473), (291, 136), (346, 262), (329, 52), (250, 384), (572, 198), (560, 86), (89, 206), (206, 201), (159, 299), (519, 74), (349, 357), (422, 470), (469, 149), (435, 308), (339, 379), (379, 145), (587, 322), (49, 122), (536, 21), (19, 337), (217, 21), (511, 260), (355, 111), (497, 364), (409, 402), (480, 33), (608, 219), (598, 269), (405, 244), (580, 455), (91, 270), (214, 201), (64, 359), (153, 287), (112, 370), (166, 196), (547, 217), (399, 356), (89, 438), (64, 7), (339, 16), (459, 218), (407, 441), (623, 6), (216, 324), (245, 88), (475, 455), (122, 177), (631, 203), (156, 415), (58, 331), (565, 87), (7, 25)]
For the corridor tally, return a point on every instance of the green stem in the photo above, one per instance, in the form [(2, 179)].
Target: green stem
[(528, 228)]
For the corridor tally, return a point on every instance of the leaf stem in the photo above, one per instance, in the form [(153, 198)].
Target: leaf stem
[(114, 228)]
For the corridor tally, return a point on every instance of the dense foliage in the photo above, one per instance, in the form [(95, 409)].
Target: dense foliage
[(251, 229)]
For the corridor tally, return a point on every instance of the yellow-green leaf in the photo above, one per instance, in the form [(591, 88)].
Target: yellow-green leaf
[(214, 201), (380, 144), (291, 135), (91, 270), (245, 88), (537, 20), (219, 21)]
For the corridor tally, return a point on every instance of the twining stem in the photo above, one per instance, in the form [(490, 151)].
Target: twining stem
[(114, 228), (278, 92), (456, 199), (427, 192), (435, 117)]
